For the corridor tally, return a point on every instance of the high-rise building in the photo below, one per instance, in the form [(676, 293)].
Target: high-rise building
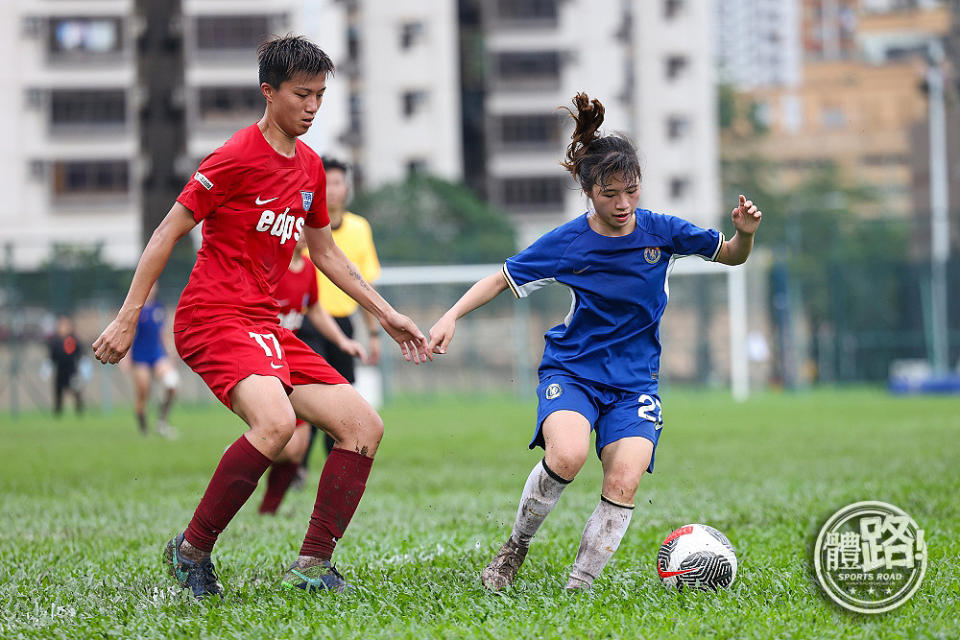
[(73, 157), (70, 160), (758, 42), (465, 90), (471, 91), (857, 111)]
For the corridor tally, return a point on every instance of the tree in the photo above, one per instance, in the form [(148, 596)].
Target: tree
[(428, 220)]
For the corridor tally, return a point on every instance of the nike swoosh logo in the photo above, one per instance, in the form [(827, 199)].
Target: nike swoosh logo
[(578, 272), (670, 574), (259, 201), (658, 427), (276, 366)]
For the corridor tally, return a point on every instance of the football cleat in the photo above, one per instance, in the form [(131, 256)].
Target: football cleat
[(200, 577), (502, 570), (319, 577)]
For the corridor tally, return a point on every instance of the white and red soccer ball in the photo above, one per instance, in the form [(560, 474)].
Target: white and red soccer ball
[(697, 556)]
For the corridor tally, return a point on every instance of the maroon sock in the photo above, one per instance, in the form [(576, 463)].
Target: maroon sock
[(278, 480), (232, 483), (342, 481)]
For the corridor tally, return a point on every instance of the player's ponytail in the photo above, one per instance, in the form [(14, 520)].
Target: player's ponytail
[(592, 158)]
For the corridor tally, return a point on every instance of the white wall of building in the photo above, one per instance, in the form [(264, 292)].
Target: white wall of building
[(692, 157), (430, 136)]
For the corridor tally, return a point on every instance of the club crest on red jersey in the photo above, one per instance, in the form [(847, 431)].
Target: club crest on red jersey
[(307, 197)]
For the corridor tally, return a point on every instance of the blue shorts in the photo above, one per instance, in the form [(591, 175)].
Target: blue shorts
[(148, 357), (612, 413)]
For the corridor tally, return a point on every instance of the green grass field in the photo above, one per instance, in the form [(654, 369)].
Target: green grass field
[(86, 505)]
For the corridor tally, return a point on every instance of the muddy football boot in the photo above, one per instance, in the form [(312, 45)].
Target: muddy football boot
[(319, 577), (199, 577), (502, 570)]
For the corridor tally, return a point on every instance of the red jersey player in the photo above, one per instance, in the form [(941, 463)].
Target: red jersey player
[(256, 196), (297, 294)]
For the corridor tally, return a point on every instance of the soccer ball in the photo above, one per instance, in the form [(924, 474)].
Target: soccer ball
[(697, 556)]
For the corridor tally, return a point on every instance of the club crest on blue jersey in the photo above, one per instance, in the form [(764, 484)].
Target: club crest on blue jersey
[(307, 197), (553, 391), (652, 255)]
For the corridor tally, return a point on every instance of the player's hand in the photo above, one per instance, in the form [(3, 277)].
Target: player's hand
[(115, 341), (412, 343), (354, 349), (441, 334), (746, 217)]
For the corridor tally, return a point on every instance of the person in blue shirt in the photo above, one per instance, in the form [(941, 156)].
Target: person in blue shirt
[(150, 360), (601, 365)]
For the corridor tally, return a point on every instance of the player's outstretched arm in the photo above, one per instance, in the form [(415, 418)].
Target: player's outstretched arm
[(330, 330), (116, 339), (328, 257), (746, 218), (478, 295)]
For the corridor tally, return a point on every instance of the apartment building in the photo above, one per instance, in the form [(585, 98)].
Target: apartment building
[(68, 129), (465, 90), (758, 42)]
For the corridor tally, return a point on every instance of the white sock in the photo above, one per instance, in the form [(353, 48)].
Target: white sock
[(601, 537), (540, 494)]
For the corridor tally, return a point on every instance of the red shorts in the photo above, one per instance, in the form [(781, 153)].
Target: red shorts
[(226, 351)]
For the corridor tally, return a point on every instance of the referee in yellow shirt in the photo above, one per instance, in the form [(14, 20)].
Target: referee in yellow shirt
[(352, 234)]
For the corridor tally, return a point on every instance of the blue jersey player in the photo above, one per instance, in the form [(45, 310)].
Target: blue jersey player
[(150, 360), (601, 365)]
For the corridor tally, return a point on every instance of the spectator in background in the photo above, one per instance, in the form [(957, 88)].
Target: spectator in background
[(65, 356), (352, 234)]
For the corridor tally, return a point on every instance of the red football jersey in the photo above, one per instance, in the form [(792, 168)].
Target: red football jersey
[(296, 292), (254, 203)]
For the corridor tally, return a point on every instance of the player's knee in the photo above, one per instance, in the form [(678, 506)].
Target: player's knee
[(566, 461), (276, 429), (620, 484), (170, 379), (372, 428)]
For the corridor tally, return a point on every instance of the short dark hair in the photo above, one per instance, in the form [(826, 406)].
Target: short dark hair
[(332, 164), (286, 56), (593, 159)]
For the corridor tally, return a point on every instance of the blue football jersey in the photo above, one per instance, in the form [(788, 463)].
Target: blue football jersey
[(619, 289)]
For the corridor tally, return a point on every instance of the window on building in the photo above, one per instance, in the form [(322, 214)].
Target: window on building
[(678, 127), (535, 129), (90, 177), (353, 43), (534, 192), (529, 67), (884, 159), (833, 117), (527, 10), (416, 166), (91, 107), (672, 8), (676, 65), (355, 111), (679, 187), (229, 103), (413, 102), (232, 32), (85, 37), (411, 33)]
